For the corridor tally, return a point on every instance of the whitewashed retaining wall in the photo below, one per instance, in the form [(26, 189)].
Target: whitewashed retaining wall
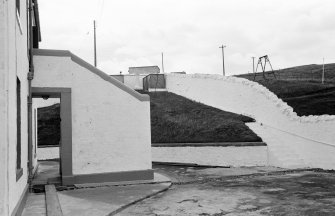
[(47, 153), (242, 96), (110, 127), (213, 156)]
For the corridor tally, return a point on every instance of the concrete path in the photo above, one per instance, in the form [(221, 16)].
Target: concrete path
[(96, 199), (215, 192), (105, 200), (35, 205)]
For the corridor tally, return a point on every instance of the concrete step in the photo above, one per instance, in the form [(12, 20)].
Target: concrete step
[(52, 201)]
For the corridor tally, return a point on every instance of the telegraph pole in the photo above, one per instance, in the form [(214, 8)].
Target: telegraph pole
[(223, 69), (163, 62), (95, 45), (253, 64)]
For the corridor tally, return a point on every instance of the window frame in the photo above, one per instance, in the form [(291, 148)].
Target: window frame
[(19, 170)]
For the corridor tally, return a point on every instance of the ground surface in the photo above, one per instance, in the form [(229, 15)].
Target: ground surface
[(301, 88), (199, 191), (175, 119)]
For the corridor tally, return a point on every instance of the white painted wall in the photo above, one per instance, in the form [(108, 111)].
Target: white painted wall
[(48, 153), (242, 96), (134, 81), (213, 156), (13, 62), (3, 108), (110, 127)]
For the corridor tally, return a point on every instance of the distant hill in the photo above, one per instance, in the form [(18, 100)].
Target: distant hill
[(311, 73), (301, 88)]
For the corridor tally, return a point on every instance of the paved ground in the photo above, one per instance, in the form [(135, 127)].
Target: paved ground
[(203, 191), (258, 191)]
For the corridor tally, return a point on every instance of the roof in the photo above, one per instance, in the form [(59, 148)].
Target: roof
[(37, 18)]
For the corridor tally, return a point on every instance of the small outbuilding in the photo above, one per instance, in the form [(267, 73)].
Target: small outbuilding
[(144, 70)]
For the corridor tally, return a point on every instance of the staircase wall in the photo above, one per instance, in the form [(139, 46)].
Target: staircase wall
[(110, 121)]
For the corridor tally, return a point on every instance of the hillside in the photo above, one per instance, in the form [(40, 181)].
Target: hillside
[(178, 119), (174, 119), (48, 125), (301, 88)]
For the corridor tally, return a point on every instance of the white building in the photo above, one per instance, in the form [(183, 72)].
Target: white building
[(144, 70), (105, 125)]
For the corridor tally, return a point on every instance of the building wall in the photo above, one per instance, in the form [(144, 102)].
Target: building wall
[(144, 70), (249, 98), (3, 108), (110, 126), (134, 81), (14, 63)]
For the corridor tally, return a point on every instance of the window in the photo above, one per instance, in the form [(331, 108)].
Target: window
[(18, 6), (19, 170)]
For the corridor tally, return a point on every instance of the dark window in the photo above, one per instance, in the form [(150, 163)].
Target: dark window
[(18, 6), (18, 126)]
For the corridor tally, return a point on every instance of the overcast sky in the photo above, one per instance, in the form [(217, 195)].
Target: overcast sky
[(189, 32)]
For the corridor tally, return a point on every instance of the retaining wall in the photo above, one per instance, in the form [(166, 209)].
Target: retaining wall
[(245, 97), (213, 156)]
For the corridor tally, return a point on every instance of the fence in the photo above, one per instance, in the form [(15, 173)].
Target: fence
[(154, 81)]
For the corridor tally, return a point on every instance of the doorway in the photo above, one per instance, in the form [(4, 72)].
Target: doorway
[(52, 135)]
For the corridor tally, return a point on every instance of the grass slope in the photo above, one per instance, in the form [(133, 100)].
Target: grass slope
[(175, 119), (301, 88), (49, 125)]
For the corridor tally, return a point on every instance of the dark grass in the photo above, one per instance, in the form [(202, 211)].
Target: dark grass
[(301, 88), (175, 119), (49, 125)]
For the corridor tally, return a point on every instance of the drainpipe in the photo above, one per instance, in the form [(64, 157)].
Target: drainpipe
[(30, 98)]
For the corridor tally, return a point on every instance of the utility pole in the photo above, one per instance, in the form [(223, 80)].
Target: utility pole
[(163, 62), (253, 64), (95, 45), (222, 47), (323, 71)]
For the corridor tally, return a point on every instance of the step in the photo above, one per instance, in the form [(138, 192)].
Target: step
[(52, 201)]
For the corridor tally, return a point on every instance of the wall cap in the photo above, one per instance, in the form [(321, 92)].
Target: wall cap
[(81, 62)]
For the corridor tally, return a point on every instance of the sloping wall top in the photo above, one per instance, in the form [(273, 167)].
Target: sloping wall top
[(81, 62)]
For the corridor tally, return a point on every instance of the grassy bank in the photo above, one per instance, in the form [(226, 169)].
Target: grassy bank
[(174, 119), (177, 119), (49, 125)]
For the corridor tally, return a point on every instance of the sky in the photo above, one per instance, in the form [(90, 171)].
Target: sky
[(133, 33)]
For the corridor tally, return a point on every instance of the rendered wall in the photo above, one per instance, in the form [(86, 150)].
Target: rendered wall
[(242, 96), (110, 127), (13, 63), (3, 108), (134, 81), (215, 156)]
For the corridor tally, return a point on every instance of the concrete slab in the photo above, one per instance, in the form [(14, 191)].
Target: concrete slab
[(106, 200), (305, 193), (35, 205), (46, 170), (158, 178), (184, 174)]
